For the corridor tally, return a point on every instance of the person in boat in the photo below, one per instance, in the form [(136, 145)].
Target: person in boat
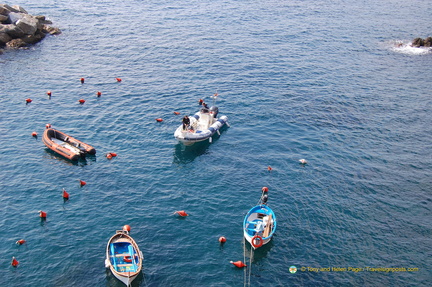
[(186, 122), (205, 108)]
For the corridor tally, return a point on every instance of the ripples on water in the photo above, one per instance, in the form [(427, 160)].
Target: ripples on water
[(320, 80)]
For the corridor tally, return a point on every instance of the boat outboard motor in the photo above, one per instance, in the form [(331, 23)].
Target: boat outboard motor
[(264, 198), (215, 111)]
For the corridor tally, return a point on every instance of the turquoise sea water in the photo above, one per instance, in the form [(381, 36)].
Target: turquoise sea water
[(319, 80)]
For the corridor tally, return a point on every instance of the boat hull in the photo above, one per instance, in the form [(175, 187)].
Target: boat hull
[(259, 225), (66, 145), (123, 257)]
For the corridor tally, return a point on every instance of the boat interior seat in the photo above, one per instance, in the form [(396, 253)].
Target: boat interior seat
[(259, 227)]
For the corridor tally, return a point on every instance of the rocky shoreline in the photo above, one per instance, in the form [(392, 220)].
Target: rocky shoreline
[(18, 29)]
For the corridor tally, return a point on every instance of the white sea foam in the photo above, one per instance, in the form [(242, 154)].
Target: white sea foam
[(404, 47)]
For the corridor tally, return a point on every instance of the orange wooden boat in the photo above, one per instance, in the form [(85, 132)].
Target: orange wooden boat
[(66, 145)]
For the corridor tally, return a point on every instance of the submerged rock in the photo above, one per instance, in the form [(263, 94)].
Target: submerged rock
[(19, 29)]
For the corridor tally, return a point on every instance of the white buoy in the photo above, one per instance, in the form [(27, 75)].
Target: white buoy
[(303, 161)]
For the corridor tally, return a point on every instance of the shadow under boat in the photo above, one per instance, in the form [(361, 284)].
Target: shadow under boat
[(80, 162), (188, 153), (259, 253), (112, 281)]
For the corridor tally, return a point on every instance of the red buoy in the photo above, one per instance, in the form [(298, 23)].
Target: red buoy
[(118, 80), (20, 242), (49, 93), (176, 113), (222, 239), (181, 213), (14, 262), (65, 194), (82, 80), (82, 183), (265, 189), (269, 168), (28, 100), (81, 101), (200, 101), (127, 228), (47, 126), (42, 214), (98, 94), (110, 155), (238, 264), (159, 120), (34, 134)]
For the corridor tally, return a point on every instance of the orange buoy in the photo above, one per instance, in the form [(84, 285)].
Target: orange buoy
[(127, 228), (28, 100), (42, 214), (269, 168), (176, 113), (238, 264), (82, 183), (181, 213), (14, 262), (113, 154), (65, 194), (47, 126), (159, 120), (82, 80), (118, 80), (98, 94), (20, 242), (222, 239), (48, 93), (81, 101), (109, 156), (265, 189), (34, 134)]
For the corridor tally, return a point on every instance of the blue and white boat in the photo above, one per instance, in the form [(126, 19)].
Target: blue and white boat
[(123, 257), (259, 224), (201, 126)]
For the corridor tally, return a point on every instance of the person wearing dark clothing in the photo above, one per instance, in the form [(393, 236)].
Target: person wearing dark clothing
[(186, 122)]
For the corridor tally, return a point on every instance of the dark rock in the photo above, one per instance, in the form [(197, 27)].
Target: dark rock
[(14, 17), (16, 43), (428, 42), (19, 29), (51, 30), (28, 24), (4, 38), (19, 9), (8, 8), (33, 39), (418, 42), (3, 10), (13, 31)]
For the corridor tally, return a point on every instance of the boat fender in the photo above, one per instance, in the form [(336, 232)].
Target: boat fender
[(127, 259), (260, 241)]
